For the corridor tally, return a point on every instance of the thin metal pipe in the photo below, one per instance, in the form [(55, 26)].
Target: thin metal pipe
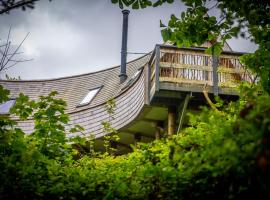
[(123, 73)]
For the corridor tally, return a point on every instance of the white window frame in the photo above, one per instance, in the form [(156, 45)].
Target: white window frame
[(88, 98)]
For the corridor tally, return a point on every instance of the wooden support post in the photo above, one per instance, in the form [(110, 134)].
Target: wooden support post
[(171, 121), (157, 133), (148, 81), (137, 138), (183, 113), (157, 67), (215, 74), (159, 130)]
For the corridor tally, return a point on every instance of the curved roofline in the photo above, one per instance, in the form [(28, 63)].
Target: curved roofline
[(74, 76), (100, 104)]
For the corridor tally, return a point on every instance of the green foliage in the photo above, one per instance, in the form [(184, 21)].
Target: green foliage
[(137, 4), (5, 122), (222, 155), (195, 27), (12, 78), (50, 119), (112, 134), (4, 94)]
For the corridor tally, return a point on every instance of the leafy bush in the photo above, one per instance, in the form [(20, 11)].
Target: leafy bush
[(223, 154)]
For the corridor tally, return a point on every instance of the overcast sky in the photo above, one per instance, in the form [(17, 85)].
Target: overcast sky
[(70, 37)]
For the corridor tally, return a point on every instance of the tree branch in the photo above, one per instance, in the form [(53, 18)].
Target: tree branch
[(7, 7), (4, 64), (5, 51), (212, 105), (8, 55)]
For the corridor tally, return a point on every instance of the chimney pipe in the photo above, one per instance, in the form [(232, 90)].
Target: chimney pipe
[(123, 74)]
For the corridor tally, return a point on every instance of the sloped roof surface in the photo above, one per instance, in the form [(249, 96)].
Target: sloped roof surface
[(74, 88)]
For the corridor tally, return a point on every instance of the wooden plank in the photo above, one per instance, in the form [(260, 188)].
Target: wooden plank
[(152, 74), (182, 51), (171, 121), (182, 80), (148, 83), (229, 56), (183, 87), (157, 67), (152, 92), (224, 69), (215, 74), (185, 66)]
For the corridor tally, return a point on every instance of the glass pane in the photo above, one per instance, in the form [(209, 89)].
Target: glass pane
[(91, 94), (5, 107)]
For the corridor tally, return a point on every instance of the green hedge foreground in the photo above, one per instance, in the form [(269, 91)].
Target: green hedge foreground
[(224, 154)]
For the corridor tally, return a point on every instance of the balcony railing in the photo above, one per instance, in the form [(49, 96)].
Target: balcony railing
[(192, 66)]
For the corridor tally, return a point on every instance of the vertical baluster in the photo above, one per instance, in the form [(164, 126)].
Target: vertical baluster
[(215, 74), (203, 60), (182, 70), (182, 59)]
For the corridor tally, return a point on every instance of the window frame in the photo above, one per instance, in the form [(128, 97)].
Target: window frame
[(89, 90)]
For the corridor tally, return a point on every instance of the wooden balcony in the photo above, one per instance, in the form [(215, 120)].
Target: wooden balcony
[(192, 70)]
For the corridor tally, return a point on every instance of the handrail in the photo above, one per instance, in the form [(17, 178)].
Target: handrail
[(194, 66), (201, 49)]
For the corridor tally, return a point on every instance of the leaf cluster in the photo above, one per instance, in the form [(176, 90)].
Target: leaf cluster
[(140, 4)]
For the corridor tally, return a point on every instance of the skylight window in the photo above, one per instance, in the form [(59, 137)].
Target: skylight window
[(5, 107), (89, 97)]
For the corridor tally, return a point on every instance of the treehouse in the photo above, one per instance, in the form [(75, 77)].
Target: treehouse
[(152, 93)]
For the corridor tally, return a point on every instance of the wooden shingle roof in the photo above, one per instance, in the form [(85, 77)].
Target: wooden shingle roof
[(74, 88)]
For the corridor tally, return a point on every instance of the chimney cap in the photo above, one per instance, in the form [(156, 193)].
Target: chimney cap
[(125, 12)]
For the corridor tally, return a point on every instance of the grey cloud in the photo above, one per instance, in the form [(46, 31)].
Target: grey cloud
[(70, 37)]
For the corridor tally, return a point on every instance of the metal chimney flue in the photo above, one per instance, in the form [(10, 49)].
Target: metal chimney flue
[(123, 74)]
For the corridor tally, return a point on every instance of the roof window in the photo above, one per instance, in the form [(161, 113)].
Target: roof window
[(90, 96), (5, 107)]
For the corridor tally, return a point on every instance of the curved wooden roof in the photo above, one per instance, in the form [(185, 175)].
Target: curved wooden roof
[(74, 88), (129, 101)]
